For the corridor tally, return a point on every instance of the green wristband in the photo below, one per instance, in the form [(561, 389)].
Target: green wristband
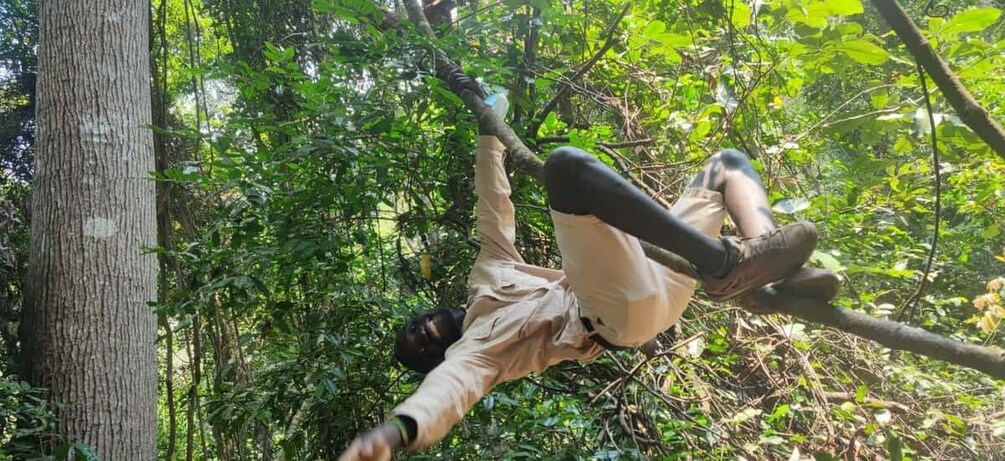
[(398, 423)]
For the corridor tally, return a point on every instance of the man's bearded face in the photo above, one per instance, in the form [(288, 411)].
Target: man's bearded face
[(424, 340)]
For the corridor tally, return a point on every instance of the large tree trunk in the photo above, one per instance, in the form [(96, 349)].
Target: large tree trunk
[(88, 331)]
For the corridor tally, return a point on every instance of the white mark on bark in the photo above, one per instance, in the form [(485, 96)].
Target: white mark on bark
[(100, 228), (96, 130)]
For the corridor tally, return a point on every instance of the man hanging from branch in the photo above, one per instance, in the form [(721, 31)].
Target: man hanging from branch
[(522, 319)]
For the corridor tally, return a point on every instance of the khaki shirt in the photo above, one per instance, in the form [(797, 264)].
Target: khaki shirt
[(521, 318)]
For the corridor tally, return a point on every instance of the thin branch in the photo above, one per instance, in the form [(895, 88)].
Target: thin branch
[(609, 145), (823, 120), (630, 374), (910, 304), (849, 397), (476, 11), (523, 81), (564, 90), (626, 170)]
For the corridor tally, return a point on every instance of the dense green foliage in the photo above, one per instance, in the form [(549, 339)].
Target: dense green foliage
[(309, 161), (18, 35)]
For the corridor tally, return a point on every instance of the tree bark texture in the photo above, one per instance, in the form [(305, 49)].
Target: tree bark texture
[(88, 330), (966, 106), (895, 335)]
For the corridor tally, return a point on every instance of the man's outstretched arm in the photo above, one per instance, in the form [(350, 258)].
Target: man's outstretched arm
[(494, 212), (440, 402)]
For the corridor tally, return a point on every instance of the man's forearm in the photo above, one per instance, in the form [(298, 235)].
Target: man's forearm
[(495, 216), (446, 395)]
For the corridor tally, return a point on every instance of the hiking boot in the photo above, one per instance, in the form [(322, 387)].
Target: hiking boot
[(807, 282), (755, 262), (810, 282)]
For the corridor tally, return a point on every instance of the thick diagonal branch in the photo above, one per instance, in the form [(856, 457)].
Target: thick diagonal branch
[(990, 360), (966, 106)]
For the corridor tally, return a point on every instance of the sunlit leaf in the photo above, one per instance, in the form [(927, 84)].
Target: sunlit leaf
[(864, 52), (974, 20), (879, 99), (826, 260), (923, 123), (901, 264), (987, 324), (790, 205), (771, 440), (885, 309), (674, 40), (845, 7), (696, 347), (740, 14), (815, 15), (654, 28), (745, 414), (795, 331)]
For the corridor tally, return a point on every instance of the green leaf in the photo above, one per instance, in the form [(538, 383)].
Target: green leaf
[(322, 6), (894, 446), (551, 125), (991, 231), (879, 99), (740, 14), (653, 29), (674, 40), (827, 261), (845, 7), (780, 412), (78, 450), (701, 129), (271, 52), (864, 52), (974, 20), (814, 15)]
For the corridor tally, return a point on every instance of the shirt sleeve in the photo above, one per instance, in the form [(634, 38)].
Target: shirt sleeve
[(495, 215), (446, 395)]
